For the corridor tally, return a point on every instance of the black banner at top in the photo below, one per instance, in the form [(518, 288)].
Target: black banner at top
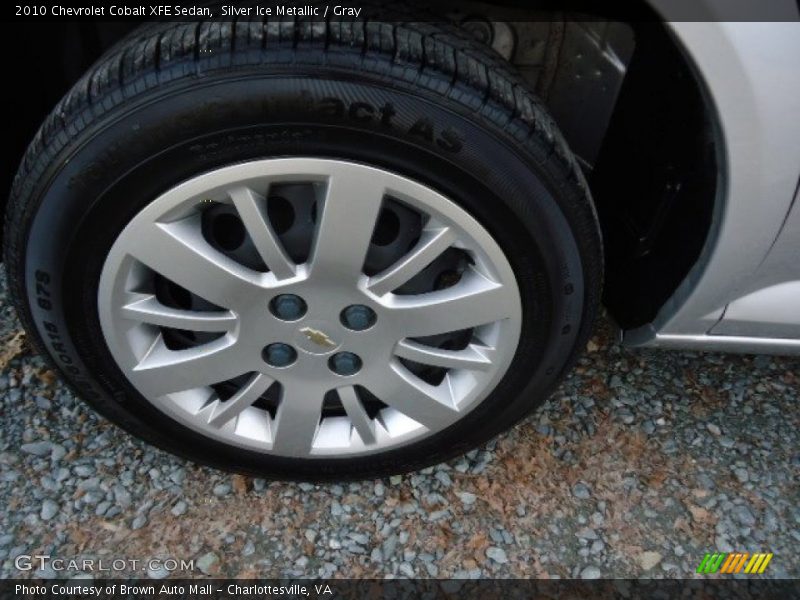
[(430, 10)]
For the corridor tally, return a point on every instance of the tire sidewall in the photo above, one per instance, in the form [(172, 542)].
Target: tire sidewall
[(118, 165)]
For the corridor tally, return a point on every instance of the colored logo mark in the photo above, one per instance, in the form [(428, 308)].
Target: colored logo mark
[(735, 562)]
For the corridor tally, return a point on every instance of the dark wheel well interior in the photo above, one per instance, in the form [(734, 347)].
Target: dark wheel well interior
[(655, 180), (653, 173)]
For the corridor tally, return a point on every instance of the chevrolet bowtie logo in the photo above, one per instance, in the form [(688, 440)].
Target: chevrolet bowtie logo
[(320, 338)]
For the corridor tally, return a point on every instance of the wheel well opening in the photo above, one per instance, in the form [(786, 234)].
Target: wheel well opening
[(655, 179), (635, 113)]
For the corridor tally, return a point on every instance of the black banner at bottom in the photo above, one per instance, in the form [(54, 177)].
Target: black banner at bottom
[(432, 589)]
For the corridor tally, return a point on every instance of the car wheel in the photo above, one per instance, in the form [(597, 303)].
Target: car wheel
[(305, 250)]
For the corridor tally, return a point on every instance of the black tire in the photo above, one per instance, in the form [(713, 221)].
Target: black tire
[(174, 100)]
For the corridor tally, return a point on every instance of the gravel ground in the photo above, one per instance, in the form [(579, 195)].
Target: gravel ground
[(642, 462)]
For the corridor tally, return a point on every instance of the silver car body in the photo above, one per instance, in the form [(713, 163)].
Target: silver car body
[(744, 292)]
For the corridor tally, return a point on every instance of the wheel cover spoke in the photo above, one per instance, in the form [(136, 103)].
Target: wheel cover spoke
[(222, 412), (431, 245), (252, 209), (162, 370), (431, 406), (475, 301), (387, 319), (178, 252), (473, 357), (148, 309), (297, 420), (349, 214), (363, 425)]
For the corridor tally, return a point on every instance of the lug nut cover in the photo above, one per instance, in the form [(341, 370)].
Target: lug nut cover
[(288, 307), (345, 363), (279, 355), (358, 317)]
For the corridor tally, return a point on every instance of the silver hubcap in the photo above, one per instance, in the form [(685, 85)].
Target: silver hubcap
[(309, 354)]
